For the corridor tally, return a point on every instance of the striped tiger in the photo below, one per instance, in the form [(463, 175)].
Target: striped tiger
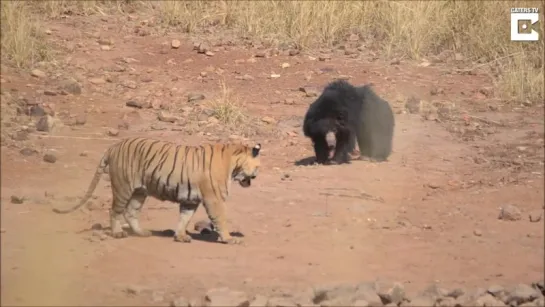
[(141, 167)]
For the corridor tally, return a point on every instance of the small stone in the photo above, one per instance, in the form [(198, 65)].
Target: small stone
[(81, 119), (395, 62), (275, 76), (220, 297), (50, 93), (134, 289), (209, 53), (113, 132), (268, 120), (47, 124), (309, 92), (157, 296), (413, 105), (521, 294), (192, 97), (285, 65), (488, 300), (166, 117), (175, 44), (293, 52), (280, 302), (260, 54), (71, 86), (421, 301), (135, 104), (50, 158), (510, 213), (28, 151), (97, 81), (17, 199), (180, 302), (324, 57), (477, 232), (38, 73), (105, 41), (259, 301), (394, 293), (105, 48), (535, 216)]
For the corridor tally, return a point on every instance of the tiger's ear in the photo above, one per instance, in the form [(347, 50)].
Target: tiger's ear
[(256, 149)]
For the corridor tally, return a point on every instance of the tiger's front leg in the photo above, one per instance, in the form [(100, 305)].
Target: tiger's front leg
[(187, 210), (216, 213)]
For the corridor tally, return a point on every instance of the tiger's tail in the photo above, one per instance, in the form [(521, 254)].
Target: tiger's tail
[(96, 178)]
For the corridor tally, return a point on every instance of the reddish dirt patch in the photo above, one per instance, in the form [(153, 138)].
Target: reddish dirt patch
[(412, 219)]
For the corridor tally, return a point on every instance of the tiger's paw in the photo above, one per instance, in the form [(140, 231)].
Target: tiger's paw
[(184, 238), (232, 241), (120, 234)]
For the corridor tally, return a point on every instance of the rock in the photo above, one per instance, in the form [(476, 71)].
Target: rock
[(421, 301), (135, 104), (175, 44), (209, 53), (97, 81), (28, 151), (293, 52), (510, 213), (37, 111), (434, 291), (192, 97), (157, 296), (522, 293), (413, 105), (260, 54), (202, 48), (220, 297), (134, 289), (48, 124), (259, 301), (540, 286), (394, 293), (20, 136), (180, 302), (446, 302), (309, 92), (360, 303), (113, 132), (495, 290), (17, 199), (50, 93), (337, 295), (324, 57), (166, 117), (268, 120), (477, 232), (71, 86), (38, 73), (105, 48), (280, 302), (488, 300), (129, 84), (50, 158), (81, 119), (535, 216), (285, 65), (395, 62)]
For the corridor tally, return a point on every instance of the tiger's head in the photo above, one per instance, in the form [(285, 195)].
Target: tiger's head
[(246, 164)]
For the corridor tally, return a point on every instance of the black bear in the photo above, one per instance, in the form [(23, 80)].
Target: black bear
[(344, 113)]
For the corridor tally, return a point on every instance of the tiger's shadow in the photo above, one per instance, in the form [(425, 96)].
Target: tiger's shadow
[(206, 235)]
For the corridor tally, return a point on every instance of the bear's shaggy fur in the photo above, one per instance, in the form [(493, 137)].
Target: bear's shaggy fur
[(343, 113)]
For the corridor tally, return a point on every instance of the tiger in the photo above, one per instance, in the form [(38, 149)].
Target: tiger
[(188, 175)]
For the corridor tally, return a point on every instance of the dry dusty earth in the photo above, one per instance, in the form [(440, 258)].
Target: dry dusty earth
[(429, 214)]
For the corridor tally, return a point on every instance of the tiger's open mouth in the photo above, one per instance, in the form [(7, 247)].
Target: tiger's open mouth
[(245, 182)]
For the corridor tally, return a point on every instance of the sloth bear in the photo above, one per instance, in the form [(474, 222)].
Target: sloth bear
[(344, 113)]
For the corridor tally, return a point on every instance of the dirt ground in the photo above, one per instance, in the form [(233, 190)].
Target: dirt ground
[(428, 214)]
